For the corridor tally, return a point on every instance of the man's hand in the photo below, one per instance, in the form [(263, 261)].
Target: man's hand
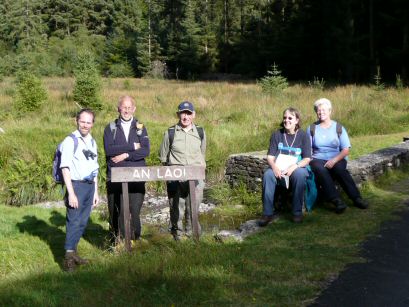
[(72, 201), (119, 158), (95, 200)]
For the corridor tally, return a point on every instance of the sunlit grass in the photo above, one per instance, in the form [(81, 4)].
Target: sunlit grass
[(284, 265)]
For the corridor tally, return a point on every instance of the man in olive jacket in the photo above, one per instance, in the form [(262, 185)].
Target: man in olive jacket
[(183, 144)]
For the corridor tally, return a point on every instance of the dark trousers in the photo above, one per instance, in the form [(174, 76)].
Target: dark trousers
[(77, 218), (180, 206), (136, 192), (325, 178)]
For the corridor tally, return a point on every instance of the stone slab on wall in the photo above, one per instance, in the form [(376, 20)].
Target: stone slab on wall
[(249, 167)]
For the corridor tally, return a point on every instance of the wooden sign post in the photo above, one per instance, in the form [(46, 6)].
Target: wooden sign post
[(158, 173)]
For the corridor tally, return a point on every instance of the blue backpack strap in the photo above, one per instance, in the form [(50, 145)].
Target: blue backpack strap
[(75, 139)]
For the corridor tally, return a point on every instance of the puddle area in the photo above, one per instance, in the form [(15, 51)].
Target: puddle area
[(155, 211)]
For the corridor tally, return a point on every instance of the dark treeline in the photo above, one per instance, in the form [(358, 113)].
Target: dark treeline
[(342, 40)]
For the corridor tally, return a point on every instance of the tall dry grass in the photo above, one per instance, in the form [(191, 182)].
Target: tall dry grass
[(237, 117)]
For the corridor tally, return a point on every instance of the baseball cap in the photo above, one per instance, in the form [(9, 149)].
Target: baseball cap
[(186, 106)]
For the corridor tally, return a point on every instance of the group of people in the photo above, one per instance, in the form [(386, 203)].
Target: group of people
[(126, 144), (292, 155)]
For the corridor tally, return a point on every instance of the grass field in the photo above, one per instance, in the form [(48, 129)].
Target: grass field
[(237, 117), (285, 265)]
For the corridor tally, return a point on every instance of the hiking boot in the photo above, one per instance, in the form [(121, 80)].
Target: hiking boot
[(78, 260), (297, 219), (69, 262), (175, 234), (267, 219), (360, 203), (340, 206)]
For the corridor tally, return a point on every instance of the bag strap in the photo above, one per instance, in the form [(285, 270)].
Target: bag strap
[(312, 128), (171, 134), (338, 128), (112, 126), (200, 131), (75, 139)]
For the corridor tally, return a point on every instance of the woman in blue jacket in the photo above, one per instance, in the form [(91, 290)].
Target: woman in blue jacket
[(330, 148)]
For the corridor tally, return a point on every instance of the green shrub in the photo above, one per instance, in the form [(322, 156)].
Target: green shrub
[(27, 182), (379, 85), (399, 82), (274, 82), (120, 70), (317, 83), (30, 93), (87, 82)]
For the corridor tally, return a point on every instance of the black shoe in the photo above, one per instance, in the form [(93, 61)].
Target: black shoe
[(297, 219), (360, 203), (267, 219), (340, 206)]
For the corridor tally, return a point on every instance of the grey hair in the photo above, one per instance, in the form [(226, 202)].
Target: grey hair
[(322, 101)]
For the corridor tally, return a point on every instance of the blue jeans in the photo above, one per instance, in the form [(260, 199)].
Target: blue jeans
[(77, 219), (297, 186)]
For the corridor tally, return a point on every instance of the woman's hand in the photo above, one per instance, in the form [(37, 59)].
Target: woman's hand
[(290, 170), (330, 163), (276, 171)]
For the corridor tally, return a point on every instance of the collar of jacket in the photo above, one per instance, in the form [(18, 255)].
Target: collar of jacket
[(133, 123)]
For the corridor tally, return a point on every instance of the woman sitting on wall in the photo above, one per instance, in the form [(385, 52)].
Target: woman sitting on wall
[(330, 147), (288, 155)]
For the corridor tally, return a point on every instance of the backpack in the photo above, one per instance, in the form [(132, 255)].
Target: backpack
[(171, 134), (57, 172), (112, 126), (338, 128)]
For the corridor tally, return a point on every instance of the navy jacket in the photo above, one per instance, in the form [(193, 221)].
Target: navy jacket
[(120, 146)]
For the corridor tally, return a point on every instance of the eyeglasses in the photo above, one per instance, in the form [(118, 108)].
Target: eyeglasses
[(288, 117)]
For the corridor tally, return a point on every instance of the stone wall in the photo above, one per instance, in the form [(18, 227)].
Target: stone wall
[(249, 167)]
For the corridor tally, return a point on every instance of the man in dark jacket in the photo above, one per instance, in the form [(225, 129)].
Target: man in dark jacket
[(126, 143)]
